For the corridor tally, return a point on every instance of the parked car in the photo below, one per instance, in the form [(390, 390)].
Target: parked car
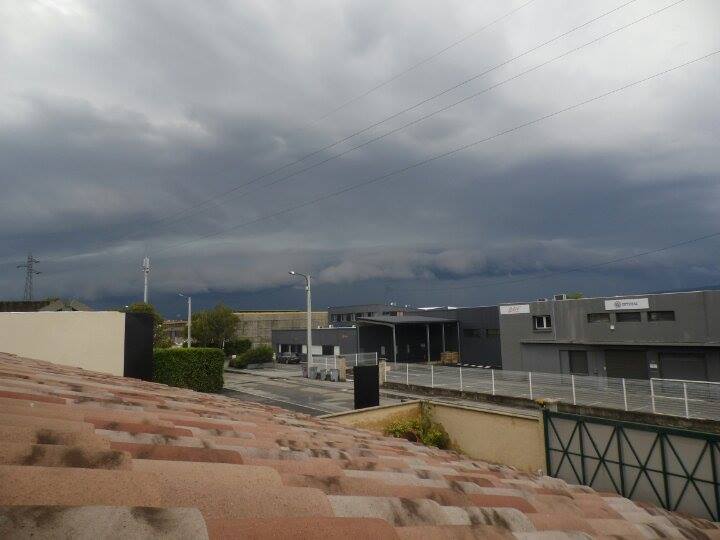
[(288, 358)]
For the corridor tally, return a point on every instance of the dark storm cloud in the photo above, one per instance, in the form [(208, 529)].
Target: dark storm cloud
[(117, 115)]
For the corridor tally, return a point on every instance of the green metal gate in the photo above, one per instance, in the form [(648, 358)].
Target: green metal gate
[(673, 468)]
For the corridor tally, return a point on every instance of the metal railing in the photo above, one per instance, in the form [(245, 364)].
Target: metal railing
[(690, 399), (330, 361)]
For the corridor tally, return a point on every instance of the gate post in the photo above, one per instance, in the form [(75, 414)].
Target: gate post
[(652, 395)]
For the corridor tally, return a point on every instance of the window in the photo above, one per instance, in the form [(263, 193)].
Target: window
[(472, 332), (358, 315), (628, 316), (349, 317), (369, 314), (598, 317), (327, 350), (386, 313), (654, 316), (578, 362), (543, 322), (492, 332)]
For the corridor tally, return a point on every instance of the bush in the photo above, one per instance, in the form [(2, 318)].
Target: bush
[(237, 346), (259, 355), (422, 430), (196, 368), (239, 362)]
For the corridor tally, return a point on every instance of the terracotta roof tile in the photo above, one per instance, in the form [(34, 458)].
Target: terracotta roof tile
[(86, 454)]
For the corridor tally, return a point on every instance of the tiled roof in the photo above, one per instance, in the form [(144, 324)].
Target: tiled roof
[(88, 455)]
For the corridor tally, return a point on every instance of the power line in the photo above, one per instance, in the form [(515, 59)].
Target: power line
[(182, 214), (422, 62), (445, 154), (438, 111), (569, 271)]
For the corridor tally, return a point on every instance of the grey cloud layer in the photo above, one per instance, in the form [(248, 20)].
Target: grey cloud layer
[(117, 115)]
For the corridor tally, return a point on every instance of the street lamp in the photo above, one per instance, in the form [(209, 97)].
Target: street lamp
[(309, 314), (189, 323)]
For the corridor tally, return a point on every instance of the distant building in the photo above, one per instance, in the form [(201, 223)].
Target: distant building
[(51, 304), (176, 331), (670, 335), (258, 326)]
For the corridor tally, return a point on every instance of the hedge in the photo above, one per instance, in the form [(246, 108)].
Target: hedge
[(196, 368)]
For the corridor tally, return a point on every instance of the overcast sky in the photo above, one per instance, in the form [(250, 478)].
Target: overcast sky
[(115, 115)]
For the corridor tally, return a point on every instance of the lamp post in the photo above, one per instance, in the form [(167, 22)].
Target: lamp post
[(309, 314), (189, 323)]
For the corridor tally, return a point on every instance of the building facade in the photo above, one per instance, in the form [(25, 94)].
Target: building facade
[(258, 326), (670, 335), (326, 341)]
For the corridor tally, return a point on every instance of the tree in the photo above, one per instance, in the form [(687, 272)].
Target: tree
[(214, 326), (160, 338), (575, 296)]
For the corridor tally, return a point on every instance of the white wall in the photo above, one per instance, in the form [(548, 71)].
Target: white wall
[(93, 340)]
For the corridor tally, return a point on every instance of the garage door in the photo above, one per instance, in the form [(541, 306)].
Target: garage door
[(626, 364), (689, 366)]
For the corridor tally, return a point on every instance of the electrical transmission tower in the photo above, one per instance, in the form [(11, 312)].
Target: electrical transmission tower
[(30, 272), (146, 271)]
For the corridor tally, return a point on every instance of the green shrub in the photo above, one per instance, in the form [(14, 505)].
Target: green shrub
[(237, 346), (239, 363), (258, 355), (195, 368), (422, 430)]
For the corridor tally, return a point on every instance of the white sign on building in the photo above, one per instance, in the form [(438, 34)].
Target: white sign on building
[(627, 303), (515, 309)]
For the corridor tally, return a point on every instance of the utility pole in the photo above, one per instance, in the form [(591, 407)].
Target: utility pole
[(30, 271), (189, 320), (309, 314), (146, 271)]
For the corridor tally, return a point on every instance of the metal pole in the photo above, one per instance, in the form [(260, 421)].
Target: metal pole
[(530, 380), (652, 395), (432, 376), (427, 334), (687, 407), (572, 379), (443, 337), (624, 394), (407, 374), (189, 322), (461, 386), (309, 321), (146, 271), (492, 374), (394, 343)]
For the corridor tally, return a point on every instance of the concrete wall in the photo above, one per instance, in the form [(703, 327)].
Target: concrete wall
[(515, 439), (93, 340), (257, 326)]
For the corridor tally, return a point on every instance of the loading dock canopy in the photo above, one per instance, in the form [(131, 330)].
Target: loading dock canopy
[(403, 319), (407, 338)]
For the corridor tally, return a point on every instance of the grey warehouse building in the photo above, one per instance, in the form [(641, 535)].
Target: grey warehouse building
[(669, 335), (404, 334)]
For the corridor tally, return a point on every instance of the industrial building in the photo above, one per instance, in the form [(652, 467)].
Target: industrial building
[(669, 335), (403, 334)]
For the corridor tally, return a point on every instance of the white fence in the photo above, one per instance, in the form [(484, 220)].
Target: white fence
[(691, 399), (330, 361)]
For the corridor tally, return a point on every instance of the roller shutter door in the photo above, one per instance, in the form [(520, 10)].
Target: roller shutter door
[(688, 366), (628, 364)]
